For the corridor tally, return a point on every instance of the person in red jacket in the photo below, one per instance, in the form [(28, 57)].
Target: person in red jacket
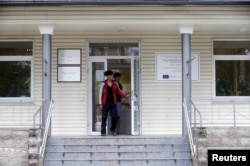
[(107, 100)]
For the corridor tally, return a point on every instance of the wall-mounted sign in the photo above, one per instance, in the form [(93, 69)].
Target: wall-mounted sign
[(169, 66), (69, 74), (68, 65), (69, 56)]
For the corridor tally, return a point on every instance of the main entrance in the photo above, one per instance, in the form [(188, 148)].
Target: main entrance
[(122, 58)]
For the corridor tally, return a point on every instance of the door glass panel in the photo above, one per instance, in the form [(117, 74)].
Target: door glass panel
[(118, 57), (123, 66), (136, 98), (97, 77)]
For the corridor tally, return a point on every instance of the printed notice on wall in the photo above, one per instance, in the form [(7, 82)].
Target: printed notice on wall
[(69, 74), (169, 66), (69, 56), (99, 75)]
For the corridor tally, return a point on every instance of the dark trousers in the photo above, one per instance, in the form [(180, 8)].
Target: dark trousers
[(108, 108)]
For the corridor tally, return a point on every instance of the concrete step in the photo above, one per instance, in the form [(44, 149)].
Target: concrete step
[(148, 162), (116, 155), (115, 141), (118, 151), (118, 148), (220, 138)]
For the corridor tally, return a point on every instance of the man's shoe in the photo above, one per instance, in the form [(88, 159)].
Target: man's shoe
[(103, 134), (114, 133)]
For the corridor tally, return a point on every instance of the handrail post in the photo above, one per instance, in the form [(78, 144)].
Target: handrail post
[(189, 129), (47, 129), (194, 117), (234, 114), (196, 110)]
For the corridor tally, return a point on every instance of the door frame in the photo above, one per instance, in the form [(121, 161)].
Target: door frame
[(104, 59)]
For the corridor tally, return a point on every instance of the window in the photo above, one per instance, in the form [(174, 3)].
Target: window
[(113, 49), (16, 58), (231, 60)]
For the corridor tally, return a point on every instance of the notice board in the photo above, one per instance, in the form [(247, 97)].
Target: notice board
[(168, 66)]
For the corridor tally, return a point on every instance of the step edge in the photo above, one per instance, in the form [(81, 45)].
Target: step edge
[(76, 159), (148, 151)]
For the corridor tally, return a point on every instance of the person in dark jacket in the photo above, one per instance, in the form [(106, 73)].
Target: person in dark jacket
[(117, 77), (107, 100)]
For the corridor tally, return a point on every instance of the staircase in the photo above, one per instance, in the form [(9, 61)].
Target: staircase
[(228, 138), (118, 151), (33, 146)]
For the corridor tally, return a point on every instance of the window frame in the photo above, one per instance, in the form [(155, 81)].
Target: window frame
[(30, 58), (226, 58)]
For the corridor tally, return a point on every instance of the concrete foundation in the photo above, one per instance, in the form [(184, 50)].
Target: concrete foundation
[(14, 147)]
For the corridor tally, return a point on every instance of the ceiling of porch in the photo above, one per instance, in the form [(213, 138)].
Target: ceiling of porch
[(125, 19), (126, 28)]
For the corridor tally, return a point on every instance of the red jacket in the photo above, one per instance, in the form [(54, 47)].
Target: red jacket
[(103, 92)]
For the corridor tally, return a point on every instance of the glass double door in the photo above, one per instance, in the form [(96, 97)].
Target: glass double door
[(129, 69)]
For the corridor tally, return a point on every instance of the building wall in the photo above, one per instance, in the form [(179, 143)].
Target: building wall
[(160, 101)]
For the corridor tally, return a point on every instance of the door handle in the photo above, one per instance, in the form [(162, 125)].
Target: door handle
[(132, 95)]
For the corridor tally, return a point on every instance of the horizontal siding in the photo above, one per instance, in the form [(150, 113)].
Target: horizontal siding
[(70, 114), (21, 114), (71, 13), (160, 101)]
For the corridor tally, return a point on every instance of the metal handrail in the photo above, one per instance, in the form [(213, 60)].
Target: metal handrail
[(196, 110), (21, 114), (36, 113), (190, 135), (46, 130), (220, 106)]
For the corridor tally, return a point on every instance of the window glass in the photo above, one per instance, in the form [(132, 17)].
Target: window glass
[(113, 49), (15, 78), (232, 78), (231, 47), (16, 68), (16, 48), (232, 68)]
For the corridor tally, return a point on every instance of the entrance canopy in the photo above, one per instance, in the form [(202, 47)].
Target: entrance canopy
[(125, 19), (126, 2)]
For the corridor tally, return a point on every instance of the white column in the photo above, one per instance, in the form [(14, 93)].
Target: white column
[(46, 31), (186, 30)]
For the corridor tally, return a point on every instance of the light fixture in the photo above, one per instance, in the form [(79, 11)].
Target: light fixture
[(121, 29), (247, 51), (243, 29)]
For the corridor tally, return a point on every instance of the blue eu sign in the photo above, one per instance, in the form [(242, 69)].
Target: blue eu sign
[(165, 76)]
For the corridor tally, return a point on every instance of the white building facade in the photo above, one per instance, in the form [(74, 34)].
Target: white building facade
[(144, 43)]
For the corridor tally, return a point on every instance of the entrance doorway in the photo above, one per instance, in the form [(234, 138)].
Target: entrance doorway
[(122, 58)]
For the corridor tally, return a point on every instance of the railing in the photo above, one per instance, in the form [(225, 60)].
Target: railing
[(189, 129), (38, 112), (195, 111), (231, 113), (46, 130), (21, 114)]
